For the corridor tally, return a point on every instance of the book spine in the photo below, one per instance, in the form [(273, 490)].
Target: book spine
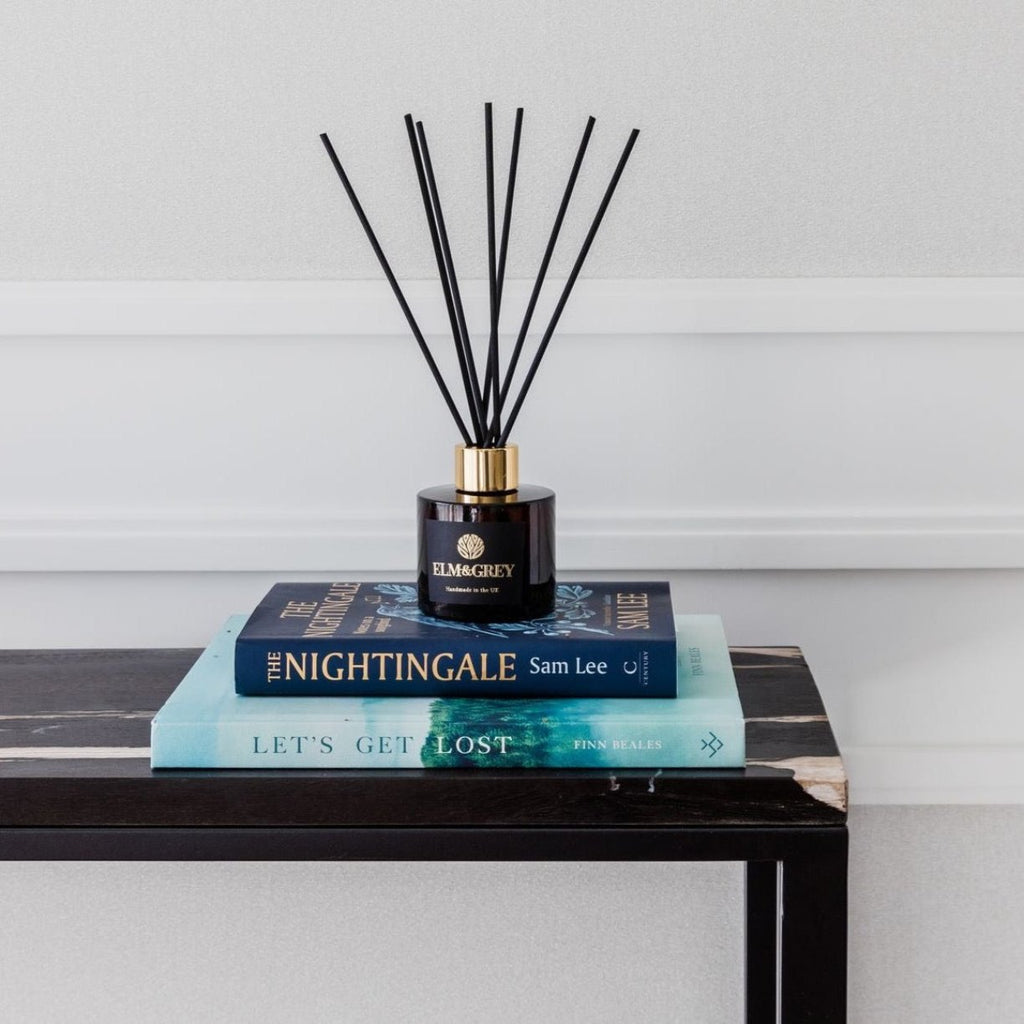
[(501, 668), (397, 744)]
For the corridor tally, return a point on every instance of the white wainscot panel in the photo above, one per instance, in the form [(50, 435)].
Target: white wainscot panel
[(824, 432)]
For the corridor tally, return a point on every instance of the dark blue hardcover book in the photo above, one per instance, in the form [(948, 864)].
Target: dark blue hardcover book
[(371, 640), (205, 724)]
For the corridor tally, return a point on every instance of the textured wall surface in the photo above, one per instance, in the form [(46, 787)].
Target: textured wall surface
[(179, 139)]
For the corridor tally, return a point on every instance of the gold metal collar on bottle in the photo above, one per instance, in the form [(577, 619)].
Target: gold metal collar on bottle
[(486, 470)]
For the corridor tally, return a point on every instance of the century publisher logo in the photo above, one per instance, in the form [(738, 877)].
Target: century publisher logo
[(470, 545)]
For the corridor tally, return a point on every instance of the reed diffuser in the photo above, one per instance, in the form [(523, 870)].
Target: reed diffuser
[(486, 543)]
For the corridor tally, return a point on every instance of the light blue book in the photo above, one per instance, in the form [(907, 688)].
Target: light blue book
[(206, 724)]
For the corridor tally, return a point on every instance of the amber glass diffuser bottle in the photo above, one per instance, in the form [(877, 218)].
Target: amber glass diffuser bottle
[(486, 545)]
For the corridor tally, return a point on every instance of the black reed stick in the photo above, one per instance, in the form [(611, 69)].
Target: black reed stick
[(506, 223), (577, 266), (443, 273), (386, 267), (493, 375), (538, 284), (452, 279), (492, 258)]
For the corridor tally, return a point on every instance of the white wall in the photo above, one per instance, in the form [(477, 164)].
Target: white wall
[(179, 140), (829, 462), (935, 935)]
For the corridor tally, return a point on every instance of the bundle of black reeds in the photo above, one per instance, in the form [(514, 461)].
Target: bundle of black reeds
[(487, 398)]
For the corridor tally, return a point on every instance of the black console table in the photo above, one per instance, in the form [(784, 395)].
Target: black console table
[(75, 783)]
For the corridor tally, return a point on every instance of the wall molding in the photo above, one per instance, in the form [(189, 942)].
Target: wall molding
[(37, 536), (640, 306), (197, 541)]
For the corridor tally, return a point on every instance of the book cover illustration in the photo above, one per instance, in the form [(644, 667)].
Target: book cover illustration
[(371, 639), (205, 724)]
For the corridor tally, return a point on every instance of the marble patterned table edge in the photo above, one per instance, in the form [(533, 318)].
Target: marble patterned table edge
[(74, 752)]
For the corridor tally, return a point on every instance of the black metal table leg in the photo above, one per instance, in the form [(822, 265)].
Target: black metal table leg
[(762, 914), (814, 931)]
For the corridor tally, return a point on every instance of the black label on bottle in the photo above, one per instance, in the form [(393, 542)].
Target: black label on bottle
[(476, 563)]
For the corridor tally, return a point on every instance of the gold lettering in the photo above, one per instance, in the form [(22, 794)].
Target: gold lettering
[(332, 610), (466, 668), (325, 667), (360, 665), (632, 611), (298, 610), (446, 675), (481, 570), (381, 657), (293, 666)]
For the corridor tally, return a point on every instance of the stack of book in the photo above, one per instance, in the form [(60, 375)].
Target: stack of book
[(353, 675)]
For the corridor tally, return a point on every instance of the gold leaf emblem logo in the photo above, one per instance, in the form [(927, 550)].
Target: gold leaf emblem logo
[(470, 546)]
